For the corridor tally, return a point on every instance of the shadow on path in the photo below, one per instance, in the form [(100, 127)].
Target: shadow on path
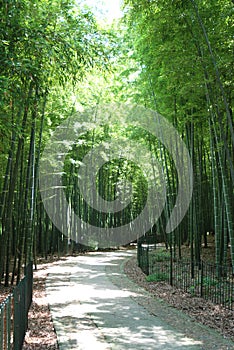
[(95, 306)]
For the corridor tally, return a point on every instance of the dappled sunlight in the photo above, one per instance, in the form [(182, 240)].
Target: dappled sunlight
[(90, 312)]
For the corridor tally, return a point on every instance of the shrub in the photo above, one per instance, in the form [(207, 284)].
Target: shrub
[(156, 277)]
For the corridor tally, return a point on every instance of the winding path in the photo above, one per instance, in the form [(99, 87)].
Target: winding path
[(95, 306)]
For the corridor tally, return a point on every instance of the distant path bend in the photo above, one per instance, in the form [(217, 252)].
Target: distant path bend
[(95, 306)]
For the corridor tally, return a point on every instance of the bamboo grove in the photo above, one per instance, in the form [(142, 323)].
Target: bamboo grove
[(44, 47), (185, 50), (174, 57)]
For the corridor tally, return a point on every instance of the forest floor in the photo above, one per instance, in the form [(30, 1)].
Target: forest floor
[(41, 334), (201, 310)]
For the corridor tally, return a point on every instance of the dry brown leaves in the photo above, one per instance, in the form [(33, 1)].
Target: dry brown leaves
[(203, 311), (41, 334)]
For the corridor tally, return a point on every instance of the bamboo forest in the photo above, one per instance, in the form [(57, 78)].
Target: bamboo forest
[(58, 59)]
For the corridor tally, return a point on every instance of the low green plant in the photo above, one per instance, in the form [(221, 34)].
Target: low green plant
[(208, 281), (157, 277), (192, 290), (160, 255)]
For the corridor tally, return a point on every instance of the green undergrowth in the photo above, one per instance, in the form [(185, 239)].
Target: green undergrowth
[(157, 277)]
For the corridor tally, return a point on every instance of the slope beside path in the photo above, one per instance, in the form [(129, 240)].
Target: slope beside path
[(95, 306)]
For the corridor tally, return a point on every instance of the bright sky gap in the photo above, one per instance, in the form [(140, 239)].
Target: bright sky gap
[(107, 10)]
